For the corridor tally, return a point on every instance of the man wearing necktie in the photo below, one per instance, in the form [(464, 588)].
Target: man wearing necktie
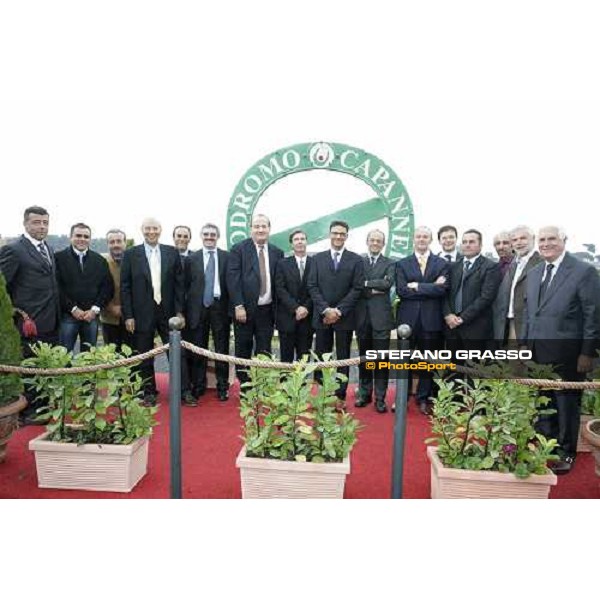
[(422, 283), (474, 283), (182, 236), (252, 298), (151, 293), (28, 266), (562, 328), (447, 237), (206, 312), (294, 304), (335, 283), (504, 250), (374, 319), (86, 287), (510, 303)]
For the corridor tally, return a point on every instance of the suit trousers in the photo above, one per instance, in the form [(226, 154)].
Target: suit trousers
[(295, 344), (143, 341), (255, 334), (563, 425), (193, 376), (35, 403), (424, 340), (324, 341), (373, 339), (117, 335)]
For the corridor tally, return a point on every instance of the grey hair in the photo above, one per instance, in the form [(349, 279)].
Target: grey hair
[(518, 228)]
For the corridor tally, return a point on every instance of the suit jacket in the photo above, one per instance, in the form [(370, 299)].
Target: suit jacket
[(194, 287), (480, 288), (567, 321), (137, 296), (243, 275), (336, 289), (91, 287), (374, 304), (502, 302), (292, 292), (422, 309), (31, 283)]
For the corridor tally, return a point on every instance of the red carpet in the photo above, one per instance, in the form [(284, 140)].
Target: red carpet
[(210, 443)]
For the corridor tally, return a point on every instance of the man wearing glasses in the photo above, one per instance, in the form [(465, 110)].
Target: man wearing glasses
[(335, 284), (206, 311), (85, 285)]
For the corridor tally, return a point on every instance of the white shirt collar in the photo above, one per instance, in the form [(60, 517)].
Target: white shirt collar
[(558, 261), (424, 255), (340, 252), (35, 242), (79, 252)]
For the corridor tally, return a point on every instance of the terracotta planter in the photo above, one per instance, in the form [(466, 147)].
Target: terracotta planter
[(270, 478), (582, 444), (593, 438), (462, 483), (8, 422), (94, 467)]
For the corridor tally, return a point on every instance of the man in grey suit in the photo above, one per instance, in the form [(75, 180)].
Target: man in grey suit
[(374, 319), (562, 328), (30, 272), (510, 302)]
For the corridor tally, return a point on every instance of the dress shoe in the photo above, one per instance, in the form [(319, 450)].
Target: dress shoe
[(361, 401), (32, 419), (188, 399), (562, 466), (223, 395), (149, 400), (380, 406), (199, 392), (425, 408)]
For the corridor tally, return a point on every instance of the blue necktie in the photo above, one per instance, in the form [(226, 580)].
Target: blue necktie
[(209, 280), (336, 260)]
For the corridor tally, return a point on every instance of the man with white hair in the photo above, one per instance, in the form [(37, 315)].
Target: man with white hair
[(510, 302), (151, 293), (562, 328)]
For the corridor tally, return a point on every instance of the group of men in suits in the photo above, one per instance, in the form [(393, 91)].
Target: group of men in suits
[(548, 301)]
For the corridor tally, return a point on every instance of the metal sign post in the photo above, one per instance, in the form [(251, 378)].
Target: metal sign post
[(404, 332), (175, 326)]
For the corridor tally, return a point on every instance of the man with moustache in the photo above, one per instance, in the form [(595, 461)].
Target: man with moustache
[(294, 304), (422, 282), (151, 293), (504, 251), (29, 269), (562, 328), (111, 317), (447, 237), (85, 288), (252, 297), (335, 283), (374, 319), (206, 312), (474, 283), (510, 302)]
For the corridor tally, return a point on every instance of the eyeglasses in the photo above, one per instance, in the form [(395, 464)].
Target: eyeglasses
[(84, 236), (209, 235), (340, 233)]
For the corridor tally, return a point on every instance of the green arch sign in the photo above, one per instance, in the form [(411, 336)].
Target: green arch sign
[(391, 200)]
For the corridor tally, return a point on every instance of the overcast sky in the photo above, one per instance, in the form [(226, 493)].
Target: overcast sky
[(115, 111)]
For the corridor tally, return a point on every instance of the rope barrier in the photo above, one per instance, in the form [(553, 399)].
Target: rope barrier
[(271, 364)]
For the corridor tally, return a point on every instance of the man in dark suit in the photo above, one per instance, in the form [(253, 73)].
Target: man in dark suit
[(250, 282), (474, 283), (335, 283), (206, 311), (374, 319), (510, 302), (448, 237), (182, 236), (151, 293), (30, 271), (293, 318), (422, 282), (562, 328), (85, 286)]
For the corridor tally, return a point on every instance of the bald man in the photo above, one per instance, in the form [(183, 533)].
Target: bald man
[(151, 293)]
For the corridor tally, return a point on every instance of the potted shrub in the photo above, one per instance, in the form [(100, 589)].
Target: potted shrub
[(591, 433), (98, 431), (11, 388), (487, 446), (297, 444), (590, 409)]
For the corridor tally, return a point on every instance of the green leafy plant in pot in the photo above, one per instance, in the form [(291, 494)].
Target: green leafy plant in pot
[(11, 386)]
